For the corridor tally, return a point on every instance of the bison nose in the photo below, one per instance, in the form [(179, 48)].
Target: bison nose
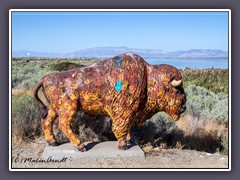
[(182, 109)]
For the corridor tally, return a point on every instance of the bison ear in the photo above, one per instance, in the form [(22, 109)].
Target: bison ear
[(176, 83)]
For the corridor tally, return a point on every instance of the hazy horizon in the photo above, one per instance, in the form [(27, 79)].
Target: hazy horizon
[(119, 47), (113, 51)]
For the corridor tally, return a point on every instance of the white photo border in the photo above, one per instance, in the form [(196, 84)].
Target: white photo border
[(119, 10)]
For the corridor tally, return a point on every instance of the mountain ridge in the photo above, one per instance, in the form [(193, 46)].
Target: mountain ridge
[(101, 52)]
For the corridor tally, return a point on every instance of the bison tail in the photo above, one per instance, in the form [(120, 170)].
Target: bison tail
[(44, 109)]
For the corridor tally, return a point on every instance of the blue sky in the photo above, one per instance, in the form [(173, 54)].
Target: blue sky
[(64, 32)]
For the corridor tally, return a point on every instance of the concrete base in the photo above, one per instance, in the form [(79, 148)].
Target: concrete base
[(108, 149)]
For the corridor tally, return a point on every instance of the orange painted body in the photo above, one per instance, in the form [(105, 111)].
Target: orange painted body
[(125, 88)]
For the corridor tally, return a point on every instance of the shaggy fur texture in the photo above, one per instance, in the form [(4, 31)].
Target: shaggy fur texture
[(125, 88)]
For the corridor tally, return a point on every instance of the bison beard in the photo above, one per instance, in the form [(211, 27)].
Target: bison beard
[(125, 88)]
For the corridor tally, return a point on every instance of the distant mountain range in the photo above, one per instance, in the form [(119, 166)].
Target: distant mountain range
[(101, 52)]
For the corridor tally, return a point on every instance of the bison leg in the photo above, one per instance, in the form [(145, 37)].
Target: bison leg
[(128, 135), (65, 118), (47, 127), (120, 131), (129, 139)]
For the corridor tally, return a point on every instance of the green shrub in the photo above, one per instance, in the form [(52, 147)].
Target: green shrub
[(224, 144), (87, 128), (205, 104), (64, 66), (215, 80), (25, 118), (157, 130)]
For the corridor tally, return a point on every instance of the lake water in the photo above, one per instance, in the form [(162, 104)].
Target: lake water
[(192, 63)]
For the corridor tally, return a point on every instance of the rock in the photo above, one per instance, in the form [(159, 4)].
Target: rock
[(107, 149)]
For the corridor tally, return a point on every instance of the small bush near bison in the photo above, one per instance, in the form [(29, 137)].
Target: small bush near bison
[(203, 127)]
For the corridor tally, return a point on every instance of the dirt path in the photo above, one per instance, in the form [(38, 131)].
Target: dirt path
[(30, 156)]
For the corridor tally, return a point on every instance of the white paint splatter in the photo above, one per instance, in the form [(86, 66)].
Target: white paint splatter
[(131, 55)]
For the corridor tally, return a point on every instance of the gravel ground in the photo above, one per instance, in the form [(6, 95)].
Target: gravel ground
[(29, 155)]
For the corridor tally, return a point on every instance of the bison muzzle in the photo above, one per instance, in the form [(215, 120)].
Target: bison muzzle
[(125, 88)]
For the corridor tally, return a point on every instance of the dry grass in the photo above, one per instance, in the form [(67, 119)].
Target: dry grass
[(187, 133), (201, 134), (17, 92), (26, 124), (201, 127)]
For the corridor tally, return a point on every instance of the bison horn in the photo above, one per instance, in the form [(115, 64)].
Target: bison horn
[(176, 83)]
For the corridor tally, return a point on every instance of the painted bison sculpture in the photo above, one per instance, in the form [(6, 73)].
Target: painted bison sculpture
[(125, 88)]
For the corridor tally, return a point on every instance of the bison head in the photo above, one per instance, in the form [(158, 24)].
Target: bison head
[(175, 99), (166, 90)]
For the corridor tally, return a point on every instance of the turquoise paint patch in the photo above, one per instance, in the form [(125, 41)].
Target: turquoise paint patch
[(118, 85), (118, 61)]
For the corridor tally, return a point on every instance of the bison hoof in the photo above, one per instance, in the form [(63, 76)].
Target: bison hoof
[(53, 143), (130, 142), (82, 148), (122, 146)]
